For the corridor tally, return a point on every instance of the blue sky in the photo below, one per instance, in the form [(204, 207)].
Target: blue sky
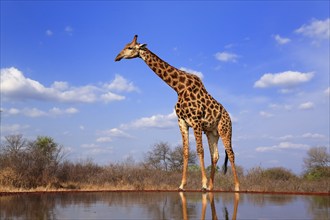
[(266, 62)]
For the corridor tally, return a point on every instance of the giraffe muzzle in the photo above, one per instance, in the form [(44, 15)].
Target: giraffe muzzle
[(118, 57)]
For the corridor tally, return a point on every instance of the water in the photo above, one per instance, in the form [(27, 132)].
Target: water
[(163, 205)]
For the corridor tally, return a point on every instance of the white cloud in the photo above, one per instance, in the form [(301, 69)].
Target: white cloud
[(313, 135), (103, 139), (317, 29), (281, 146), (58, 111), (327, 91), (71, 110), (115, 132), (195, 72), (155, 121), (13, 128), (281, 40), (15, 86), (226, 57), (69, 30), (122, 85), (280, 106), (266, 114), (109, 97), (61, 86), (286, 137), (49, 33), (306, 106), (34, 112), (13, 111), (283, 79)]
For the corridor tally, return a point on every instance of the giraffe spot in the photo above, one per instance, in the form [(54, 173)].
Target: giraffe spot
[(182, 79), (181, 86), (175, 75), (170, 69), (215, 112), (193, 97), (197, 83)]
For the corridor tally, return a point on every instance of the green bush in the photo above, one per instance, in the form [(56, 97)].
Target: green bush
[(278, 173), (317, 173)]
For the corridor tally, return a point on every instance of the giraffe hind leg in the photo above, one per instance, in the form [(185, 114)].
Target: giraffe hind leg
[(225, 132)]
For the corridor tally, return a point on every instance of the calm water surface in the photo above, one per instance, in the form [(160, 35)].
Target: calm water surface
[(163, 205)]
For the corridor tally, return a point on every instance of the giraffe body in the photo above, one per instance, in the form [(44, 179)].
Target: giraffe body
[(195, 108)]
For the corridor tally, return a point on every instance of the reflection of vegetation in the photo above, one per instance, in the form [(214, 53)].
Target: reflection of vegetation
[(319, 206), (264, 200), (40, 163), (49, 206), (31, 207), (156, 205)]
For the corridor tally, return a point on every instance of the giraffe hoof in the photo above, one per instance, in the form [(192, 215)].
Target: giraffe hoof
[(181, 189), (204, 189)]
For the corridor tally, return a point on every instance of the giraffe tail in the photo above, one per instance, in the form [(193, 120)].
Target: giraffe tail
[(224, 166)]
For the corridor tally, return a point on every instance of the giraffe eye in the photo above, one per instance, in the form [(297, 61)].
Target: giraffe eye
[(130, 48)]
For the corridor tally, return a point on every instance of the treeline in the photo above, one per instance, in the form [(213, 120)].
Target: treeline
[(41, 163)]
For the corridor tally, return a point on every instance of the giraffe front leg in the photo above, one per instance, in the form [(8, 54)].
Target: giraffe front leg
[(200, 152), (185, 142)]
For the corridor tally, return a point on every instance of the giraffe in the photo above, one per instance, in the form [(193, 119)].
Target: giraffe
[(195, 108)]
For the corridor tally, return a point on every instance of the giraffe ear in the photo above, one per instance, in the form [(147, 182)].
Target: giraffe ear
[(143, 46)]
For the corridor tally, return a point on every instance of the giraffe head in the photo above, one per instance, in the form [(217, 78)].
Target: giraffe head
[(131, 50)]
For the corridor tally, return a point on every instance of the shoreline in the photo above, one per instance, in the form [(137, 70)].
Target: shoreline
[(12, 193)]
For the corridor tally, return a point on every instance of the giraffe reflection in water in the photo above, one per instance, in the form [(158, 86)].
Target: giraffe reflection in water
[(226, 215)]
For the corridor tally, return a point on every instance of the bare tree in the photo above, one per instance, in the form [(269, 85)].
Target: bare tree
[(317, 157), (176, 158), (14, 144), (317, 163), (159, 156), (162, 157)]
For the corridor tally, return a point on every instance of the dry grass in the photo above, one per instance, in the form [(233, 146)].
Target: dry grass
[(121, 177)]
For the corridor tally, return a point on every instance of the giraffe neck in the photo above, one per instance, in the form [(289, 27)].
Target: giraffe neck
[(169, 74)]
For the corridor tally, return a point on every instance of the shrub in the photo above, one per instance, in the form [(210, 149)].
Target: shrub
[(278, 173)]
